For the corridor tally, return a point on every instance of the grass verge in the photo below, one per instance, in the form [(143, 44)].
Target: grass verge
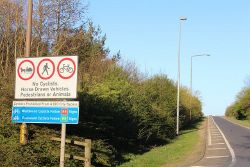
[(173, 153)]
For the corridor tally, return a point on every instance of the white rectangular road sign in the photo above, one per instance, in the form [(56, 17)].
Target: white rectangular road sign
[(46, 77)]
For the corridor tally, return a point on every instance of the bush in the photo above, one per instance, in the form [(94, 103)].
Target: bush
[(240, 109)]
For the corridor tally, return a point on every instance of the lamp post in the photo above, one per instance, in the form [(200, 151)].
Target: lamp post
[(191, 81), (178, 82)]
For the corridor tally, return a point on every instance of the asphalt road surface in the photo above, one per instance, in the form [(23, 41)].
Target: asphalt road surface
[(228, 145), (218, 151), (239, 139)]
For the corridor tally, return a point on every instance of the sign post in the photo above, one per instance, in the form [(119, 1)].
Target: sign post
[(23, 128), (62, 150), (46, 78)]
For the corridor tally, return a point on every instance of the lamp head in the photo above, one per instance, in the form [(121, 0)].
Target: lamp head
[(200, 55), (183, 18)]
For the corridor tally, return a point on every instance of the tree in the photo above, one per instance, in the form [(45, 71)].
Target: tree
[(11, 35)]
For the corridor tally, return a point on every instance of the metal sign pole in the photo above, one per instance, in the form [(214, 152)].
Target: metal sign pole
[(23, 128), (29, 29), (62, 151)]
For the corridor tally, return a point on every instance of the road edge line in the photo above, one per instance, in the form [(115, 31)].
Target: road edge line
[(228, 145), (236, 123)]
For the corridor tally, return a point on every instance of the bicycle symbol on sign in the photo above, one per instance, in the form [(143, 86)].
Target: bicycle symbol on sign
[(66, 68)]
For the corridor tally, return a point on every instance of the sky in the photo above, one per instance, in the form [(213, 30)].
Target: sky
[(146, 32)]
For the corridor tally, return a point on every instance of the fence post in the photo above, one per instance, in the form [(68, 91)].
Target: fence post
[(87, 162)]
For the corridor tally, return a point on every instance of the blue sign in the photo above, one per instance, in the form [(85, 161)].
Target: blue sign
[(53, 115)]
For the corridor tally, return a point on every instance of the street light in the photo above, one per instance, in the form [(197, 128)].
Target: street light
[(191, 77), (178, 82)]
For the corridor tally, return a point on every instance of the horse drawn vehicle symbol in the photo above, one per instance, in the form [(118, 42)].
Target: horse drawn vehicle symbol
[(26, 70)]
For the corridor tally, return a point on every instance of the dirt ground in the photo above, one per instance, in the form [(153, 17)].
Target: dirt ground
[(198, 152)]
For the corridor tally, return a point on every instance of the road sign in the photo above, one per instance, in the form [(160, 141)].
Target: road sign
[(55, 112), (46, 69), (46, 77), (26, 70), (66, 68)]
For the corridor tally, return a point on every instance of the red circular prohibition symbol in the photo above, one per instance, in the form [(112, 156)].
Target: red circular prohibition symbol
[(58, 69), (18, 70), (53, 66)]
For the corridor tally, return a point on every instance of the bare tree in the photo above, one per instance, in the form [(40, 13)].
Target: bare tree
[(54, 18), (10, 23)]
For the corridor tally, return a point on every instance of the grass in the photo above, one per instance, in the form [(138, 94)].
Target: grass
[(168, 154), (240, 122)]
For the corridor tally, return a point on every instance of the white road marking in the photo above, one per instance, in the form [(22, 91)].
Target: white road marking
[(203, 166), (228, 145), (217, 138), (236, 123), (209, 134), (223, 156), (217, 148), (215, 133), (218, 143), (207, 166)]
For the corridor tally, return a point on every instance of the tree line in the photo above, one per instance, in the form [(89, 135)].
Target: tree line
[(121, 109), (240, 108)]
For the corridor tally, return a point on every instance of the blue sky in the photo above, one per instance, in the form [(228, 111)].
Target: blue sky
[(146, 32)]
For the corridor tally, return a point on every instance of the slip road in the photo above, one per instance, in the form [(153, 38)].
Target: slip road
[(228, 145)]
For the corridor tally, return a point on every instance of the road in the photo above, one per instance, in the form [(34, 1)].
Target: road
[(228, 145), (239, 139)]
